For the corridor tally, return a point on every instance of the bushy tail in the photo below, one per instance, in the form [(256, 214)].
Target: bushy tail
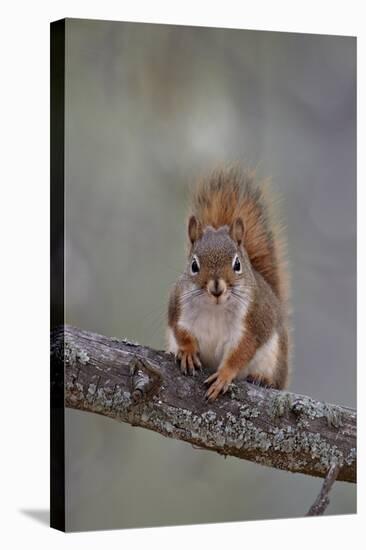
[(228, 194)]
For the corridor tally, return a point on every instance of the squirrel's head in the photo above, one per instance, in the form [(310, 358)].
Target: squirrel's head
[(218, 264)]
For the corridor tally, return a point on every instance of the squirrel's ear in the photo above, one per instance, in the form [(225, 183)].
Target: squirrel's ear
[(194, 229), (237, 231)]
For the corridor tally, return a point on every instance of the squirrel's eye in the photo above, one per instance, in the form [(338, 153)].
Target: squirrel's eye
[(195, 266), (237, 265)]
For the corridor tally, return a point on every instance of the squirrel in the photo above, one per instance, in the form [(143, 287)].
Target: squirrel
[(229, 311)]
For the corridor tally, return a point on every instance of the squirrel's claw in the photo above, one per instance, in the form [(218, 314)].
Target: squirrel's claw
[(189, 362), (211, 378), (197, 362), (220, 384)]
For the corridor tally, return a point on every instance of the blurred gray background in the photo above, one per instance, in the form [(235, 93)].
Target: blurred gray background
[(149, 108)]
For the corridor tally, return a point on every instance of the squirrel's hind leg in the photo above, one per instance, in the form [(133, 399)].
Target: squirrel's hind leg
[(259, 381)]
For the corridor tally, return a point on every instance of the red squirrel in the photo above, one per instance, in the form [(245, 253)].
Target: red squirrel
[(229, 310)]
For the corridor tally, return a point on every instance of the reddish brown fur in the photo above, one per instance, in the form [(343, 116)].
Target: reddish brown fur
[(229, 194), (230, 202), (264, 314)]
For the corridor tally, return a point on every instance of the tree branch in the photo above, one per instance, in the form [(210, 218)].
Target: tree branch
[(322, 500), (144, 387)]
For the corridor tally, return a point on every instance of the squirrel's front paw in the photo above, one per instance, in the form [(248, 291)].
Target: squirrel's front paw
[(189, 362), (221, 380)]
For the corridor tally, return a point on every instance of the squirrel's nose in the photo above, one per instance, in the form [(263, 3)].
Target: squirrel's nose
[(217, 293), (216, 287)]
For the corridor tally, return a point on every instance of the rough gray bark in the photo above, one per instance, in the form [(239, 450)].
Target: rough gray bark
[(144, 387)]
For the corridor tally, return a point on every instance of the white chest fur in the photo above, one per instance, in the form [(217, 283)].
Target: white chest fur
[(217, 328)]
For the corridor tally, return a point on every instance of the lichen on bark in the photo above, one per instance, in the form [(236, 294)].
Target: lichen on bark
[(278, 429)]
